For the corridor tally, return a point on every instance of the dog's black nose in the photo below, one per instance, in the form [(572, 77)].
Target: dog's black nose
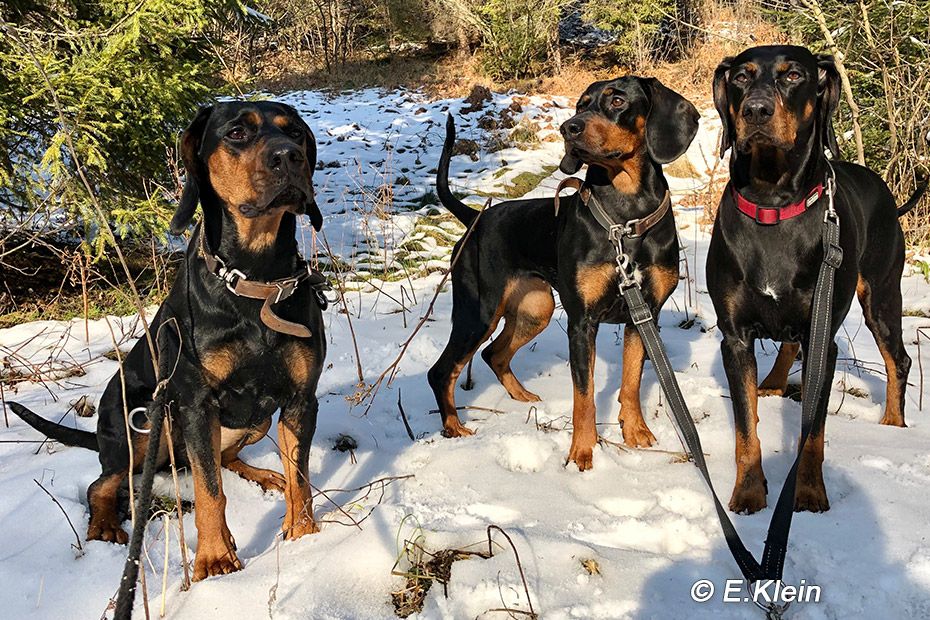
[(758, 111), (572, 128), (283, 156)]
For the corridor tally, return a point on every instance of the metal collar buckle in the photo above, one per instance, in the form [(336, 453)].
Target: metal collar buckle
[(230, 277), (285, 288), (618, 231), (629, 229)]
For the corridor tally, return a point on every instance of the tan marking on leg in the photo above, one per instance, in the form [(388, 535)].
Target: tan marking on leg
[(528, 310), (298, 520), (893, 415), (594, 281), (636, 432), (267, 479), (216, 549), (584, 422), (810, 493), (104, 522), (776, 382), (749, 490)]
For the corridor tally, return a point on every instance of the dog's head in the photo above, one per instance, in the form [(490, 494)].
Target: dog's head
[(253, 159), (776, 96), (617, 120)]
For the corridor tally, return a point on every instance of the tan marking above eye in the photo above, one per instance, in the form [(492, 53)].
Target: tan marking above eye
[(253, 118), (281, 121)]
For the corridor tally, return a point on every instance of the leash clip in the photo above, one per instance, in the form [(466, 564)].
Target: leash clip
[(773, 611), (831, 189)]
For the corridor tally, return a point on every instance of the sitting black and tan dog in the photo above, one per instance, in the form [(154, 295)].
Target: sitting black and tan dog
[(520, 250), (776, 104), (239, 336)]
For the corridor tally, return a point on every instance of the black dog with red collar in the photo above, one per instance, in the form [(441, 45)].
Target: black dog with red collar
[(776, 104)]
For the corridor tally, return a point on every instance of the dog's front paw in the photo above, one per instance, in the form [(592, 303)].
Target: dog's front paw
[(810, 495), (636, 433), (749, 495), (582, 453), (454, 428), (771, 391), (301, 527), (216, 555)]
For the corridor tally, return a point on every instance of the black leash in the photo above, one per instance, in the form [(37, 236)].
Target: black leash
[(156, 412), (776, 544)]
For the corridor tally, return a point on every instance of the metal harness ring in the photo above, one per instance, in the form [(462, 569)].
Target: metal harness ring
[(132, 424)]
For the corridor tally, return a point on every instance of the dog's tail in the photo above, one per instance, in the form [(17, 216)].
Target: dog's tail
[(459, 209), (914, 199), (58, 432)]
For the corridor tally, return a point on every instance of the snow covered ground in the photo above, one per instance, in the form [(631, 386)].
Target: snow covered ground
[(643, 516)]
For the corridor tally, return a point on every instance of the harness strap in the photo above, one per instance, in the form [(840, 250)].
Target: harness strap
[(631, 228), (271, 292)]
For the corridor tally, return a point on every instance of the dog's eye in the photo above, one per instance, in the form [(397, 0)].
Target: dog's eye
[(236, 133), (793, 76), (741, 78), (293, 132), (617, 102)]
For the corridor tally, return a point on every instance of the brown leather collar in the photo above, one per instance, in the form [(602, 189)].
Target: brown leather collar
[(631, 228), (272, 292)]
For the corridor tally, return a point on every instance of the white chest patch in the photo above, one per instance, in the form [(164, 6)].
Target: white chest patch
[(769, 291)]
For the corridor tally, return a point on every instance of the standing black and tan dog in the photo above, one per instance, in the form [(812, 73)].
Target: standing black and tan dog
[(777, 104), (238, 359), (520, 250)]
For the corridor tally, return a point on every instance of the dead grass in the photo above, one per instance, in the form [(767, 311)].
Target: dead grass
[(729, 28)]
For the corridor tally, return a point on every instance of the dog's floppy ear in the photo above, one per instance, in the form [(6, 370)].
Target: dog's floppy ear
[(828, 98), (672, 122), (191, 140), (310, 207), (722, 103)]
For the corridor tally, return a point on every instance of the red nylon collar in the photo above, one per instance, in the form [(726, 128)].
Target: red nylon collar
[(773, 215)]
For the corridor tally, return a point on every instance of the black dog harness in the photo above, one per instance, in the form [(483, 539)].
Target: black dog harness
[(272, 292), (776, 543)]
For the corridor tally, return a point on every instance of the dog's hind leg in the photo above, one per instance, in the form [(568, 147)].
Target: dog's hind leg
[(267, 479), (882, 311), (104, 516), (473, 322), (776, 382), (528, 308)]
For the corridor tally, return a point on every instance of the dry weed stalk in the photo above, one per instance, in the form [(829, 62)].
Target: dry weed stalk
[(391, 371)]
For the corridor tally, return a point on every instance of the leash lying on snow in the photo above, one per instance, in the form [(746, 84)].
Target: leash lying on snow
[(776, 543)]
